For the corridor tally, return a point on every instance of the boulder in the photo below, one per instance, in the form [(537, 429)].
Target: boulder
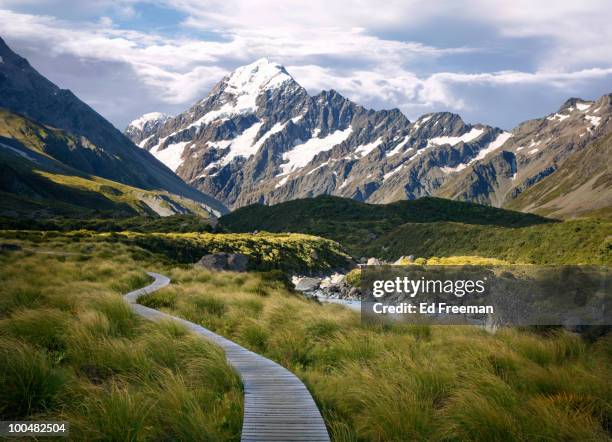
[(404, 260), (374, 262), (234, 262), (307, 284)]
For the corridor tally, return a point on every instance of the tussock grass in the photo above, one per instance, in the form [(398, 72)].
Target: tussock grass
[(411, 382), (72, 349)]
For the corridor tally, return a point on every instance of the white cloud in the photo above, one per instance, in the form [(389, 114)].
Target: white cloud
[(328, 44)]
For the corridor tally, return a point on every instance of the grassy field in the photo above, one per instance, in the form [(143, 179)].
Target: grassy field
[(71, 349), (266, 251), (405, 382)]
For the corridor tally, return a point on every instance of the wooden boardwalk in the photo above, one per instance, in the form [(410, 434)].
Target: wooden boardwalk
[(277, 405)]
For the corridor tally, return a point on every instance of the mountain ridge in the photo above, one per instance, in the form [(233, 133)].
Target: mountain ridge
[(258, 136)]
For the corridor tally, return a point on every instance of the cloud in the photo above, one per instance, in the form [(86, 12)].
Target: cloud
[(367, 52)]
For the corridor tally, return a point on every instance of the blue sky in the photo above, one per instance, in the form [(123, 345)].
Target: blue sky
[(495, 62)]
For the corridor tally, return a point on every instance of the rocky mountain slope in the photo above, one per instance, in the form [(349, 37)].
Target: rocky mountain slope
[(92, 145), (259, 137), (537, 149), (580, 186)]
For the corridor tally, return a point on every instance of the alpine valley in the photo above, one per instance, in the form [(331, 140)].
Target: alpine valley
[(58, 157), (259, 137)]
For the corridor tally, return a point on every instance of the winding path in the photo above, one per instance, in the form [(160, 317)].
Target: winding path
[(277, 405)]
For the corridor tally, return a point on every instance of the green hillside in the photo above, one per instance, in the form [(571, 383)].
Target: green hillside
[(571, 242), (316, 212), (35, 183), (432, 227)]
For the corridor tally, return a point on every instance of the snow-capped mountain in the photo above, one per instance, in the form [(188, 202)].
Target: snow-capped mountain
[(536, 150), (259, 137), (146, 125)]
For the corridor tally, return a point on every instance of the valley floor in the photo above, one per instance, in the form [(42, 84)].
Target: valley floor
[(73, 350)]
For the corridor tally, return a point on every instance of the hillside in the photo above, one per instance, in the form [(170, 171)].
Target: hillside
[(356, 225), (35, 184), (432, 227), (581, 186), (89, 143), (585, 241)]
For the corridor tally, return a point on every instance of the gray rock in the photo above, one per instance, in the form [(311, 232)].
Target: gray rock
[(307, 284), (235, 262), (378, 156), (354, 293), (374, 262), (404, 259)]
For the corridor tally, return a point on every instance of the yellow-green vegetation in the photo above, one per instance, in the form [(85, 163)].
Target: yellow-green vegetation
[(585, 241), (407, 382), (142, 201), (173, 223), (49, 172), (28, 133), (453, 260), (71, 349), (354, 276), (52, 189), (266, 251)]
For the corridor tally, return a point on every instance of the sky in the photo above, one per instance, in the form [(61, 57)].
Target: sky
[(495, 62)]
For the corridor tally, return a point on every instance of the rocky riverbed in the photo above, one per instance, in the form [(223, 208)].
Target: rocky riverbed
[(334, 286)]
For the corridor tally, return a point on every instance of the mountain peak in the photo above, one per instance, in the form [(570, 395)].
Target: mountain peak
[(140, 122), (574, 102), (256, 77)]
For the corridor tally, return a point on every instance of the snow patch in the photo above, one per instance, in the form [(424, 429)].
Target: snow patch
[(242, 146), (593, 120), (365, 149), (302, 154), (583, 106), (140, 123), (345, 183), (144, 142), (493, 145), (457, 168), (532, 151), (388, 175), (317, 168), (282, 182), (171, 154), (466, 138), (559, 117), (397, 149)]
